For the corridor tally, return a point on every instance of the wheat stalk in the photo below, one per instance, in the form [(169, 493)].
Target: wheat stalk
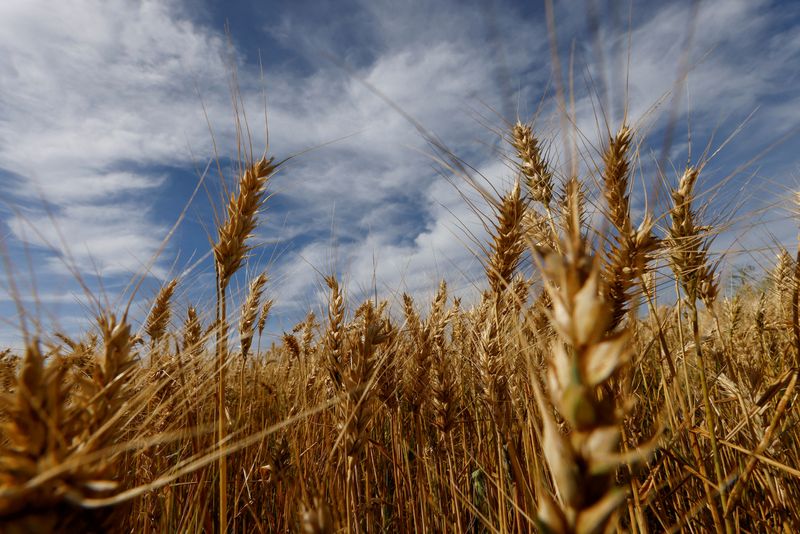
[(230, 250), (688, 250)]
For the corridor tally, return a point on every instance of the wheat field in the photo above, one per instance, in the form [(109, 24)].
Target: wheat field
[(602, 381)]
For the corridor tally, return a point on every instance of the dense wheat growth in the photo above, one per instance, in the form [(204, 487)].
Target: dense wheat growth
[(600, 381)]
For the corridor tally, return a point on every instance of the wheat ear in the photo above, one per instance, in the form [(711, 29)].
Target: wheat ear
[(631, 249), (583, 359), (507, 245), (538, 177), (249, 313), (158, 319)]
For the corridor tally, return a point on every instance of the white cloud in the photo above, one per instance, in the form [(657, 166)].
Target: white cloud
[(111, 93), (110, 236), (436, 76), (92, 93)]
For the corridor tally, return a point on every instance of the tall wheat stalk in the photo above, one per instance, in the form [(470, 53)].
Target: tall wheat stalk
[(688, 248), (230, 250)]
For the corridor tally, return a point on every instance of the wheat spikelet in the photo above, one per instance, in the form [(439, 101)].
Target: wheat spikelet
[(334, 334), (616, 180), (442, 379), (507, 245), (413, 323), (389, 379), (506, 252), (533, 166), (249, 313), (492, 369), (628, 260), (358, 409), (231, 247), (33, 412), (192, 333), (583, 358), (538, 231), (230, 251), (263, 316), (111, 370), (782, 277), (427, 336), (573, 208), (293, 346), (8, 365), (687, 243), (31, 416), (40, 433), (688, 250), (307, 337), (158, 319), (782, 273)]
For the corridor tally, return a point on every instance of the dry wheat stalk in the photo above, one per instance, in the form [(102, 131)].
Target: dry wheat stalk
[(688, 249), (230, 251)]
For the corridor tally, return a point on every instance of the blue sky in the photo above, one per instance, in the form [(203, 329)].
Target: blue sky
[(105, 107)]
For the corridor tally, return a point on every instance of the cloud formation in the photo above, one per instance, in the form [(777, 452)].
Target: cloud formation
[(95, 118)]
